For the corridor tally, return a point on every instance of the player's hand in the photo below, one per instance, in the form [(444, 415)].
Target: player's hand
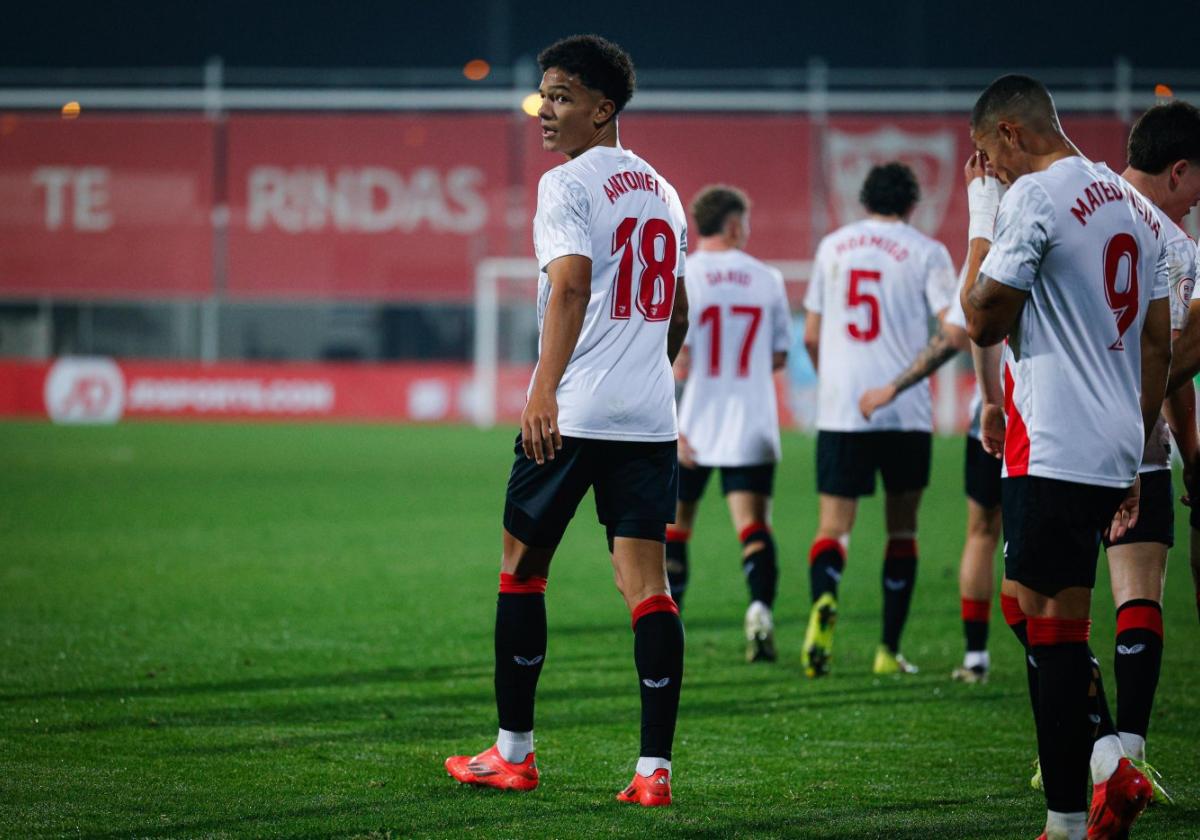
[(687, 455), (991, 429), (540, 437), (1127, 514), (976, 167), (983, 197), (874, 399)]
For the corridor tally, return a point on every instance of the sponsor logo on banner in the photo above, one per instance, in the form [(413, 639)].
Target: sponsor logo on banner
[(176, 394), (83, 389), (930, 154)]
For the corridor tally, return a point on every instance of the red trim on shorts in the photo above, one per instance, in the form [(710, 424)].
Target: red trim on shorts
[(973, 610), (901, 548), (1011, 607), (513, 585), (753, 528), (1140, 617), (1016, 435), (819, 547), (678, 535), (654, 604), (1057, 631)]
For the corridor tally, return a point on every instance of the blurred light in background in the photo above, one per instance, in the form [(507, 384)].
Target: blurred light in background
[(71, 110), (477, 69), (531, 103), (1162, 92)]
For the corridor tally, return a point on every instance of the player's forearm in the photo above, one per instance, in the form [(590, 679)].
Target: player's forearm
[(1179, 410), (987, 372), (1185, 356), (936, 353), (563, 321), (677, 331), (1156, 364)]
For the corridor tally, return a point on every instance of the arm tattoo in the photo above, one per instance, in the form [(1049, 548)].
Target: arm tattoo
[(936, 353)]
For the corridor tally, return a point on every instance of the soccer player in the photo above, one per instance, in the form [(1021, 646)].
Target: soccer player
[(1164, 166), (610, 236), (876, 283), (739, 334), (1076, 280)]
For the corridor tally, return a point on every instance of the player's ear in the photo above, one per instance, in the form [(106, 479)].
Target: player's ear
[(605, 110), (1178, 172)]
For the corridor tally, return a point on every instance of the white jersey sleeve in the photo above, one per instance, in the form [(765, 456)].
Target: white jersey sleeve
[(815, 293), (781, 319), (560, 227), (1023, 227), (941, 282)]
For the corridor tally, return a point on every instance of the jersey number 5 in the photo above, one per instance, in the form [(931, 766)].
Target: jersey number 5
[(857, 295), (656, 282), (1122, 302)]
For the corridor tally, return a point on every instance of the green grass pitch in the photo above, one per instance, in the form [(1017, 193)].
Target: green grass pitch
[(282, 631)]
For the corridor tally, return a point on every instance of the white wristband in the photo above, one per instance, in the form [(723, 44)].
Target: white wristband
[(983, 200)]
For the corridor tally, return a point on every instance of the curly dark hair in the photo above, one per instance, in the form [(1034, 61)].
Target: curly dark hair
[(599, 63), (1163, 135), (890, 189), (716, 203)]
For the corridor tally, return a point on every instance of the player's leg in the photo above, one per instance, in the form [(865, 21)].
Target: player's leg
[(1137, 568), (692, 481), (636, 485), (976, 576), (904, 461), (1052, 529), (540, 501), (748, 495), (845, 471)]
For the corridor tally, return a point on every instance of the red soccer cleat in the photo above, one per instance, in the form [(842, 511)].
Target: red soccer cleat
[(489, 769), (650, 792), (1118, 802)]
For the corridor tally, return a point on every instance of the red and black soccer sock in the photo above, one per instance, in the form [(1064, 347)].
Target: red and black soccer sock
[(520, 650), (826, 562), (658, 655), (1137, 665), (1018, 623), (899, 579), (758, 562), (975, 616), (677, 562), (1066, 678)]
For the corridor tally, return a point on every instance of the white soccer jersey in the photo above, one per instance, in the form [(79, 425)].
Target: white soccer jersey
[(875, 284), (1090, 250), (1181, 263), (739, 318), (957, 318), (611, 206)]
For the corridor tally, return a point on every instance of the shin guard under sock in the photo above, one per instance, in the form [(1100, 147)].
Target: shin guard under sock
[(899, 579), (677, 562), (826, 561), (658, 654), (1064, 728), (758, 562), (1018, 623), (520, 648), (1137, 663)]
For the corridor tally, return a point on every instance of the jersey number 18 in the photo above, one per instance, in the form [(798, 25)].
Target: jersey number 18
[(656, 283)]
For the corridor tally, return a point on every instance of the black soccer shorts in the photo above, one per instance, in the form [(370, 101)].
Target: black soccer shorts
[(635, 484), (758, 478), (1052, 531), (1156, 512), (982, 475), (847, 462)]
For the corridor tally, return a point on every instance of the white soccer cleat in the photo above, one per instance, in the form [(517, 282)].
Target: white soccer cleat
[(760, 633)]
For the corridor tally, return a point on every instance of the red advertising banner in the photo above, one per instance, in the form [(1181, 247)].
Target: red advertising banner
[(367, 206), (104, 390), (106, 207)]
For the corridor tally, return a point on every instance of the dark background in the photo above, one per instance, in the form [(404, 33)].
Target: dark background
[(372, 33)]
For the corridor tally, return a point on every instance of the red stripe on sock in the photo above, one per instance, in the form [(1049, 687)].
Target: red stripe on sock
[(678, 534), (513, 585), (1055, 631), (1140, 617), (819, 547), (973, 610), (1011, 607), (901, 548), (752, 529), (653, 604)]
